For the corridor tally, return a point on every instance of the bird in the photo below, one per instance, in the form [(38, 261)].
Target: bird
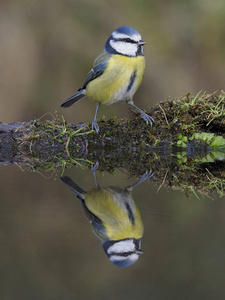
[(116, 74), (115, 219)]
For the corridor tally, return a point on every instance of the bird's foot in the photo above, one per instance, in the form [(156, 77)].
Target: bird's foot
[(146, 176), (95, 166), (147, 118), (95, 126)]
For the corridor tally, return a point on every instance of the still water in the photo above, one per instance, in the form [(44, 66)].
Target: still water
[(48, 249)]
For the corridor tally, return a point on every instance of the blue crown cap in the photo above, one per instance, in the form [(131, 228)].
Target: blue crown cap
[(127, 30)]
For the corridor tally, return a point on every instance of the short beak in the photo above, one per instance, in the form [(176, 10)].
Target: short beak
[(141, 43), (139, 252)]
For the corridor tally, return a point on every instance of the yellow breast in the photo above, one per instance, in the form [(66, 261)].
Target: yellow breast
[(119, 81), (108, 207)]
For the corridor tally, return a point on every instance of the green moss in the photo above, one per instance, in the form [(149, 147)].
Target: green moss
[(209, 139), (181, 140)]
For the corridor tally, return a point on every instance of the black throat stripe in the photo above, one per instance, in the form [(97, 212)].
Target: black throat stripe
[(130, 214), (132, 78)]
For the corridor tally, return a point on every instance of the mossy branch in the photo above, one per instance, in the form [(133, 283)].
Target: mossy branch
[(176, 123), (187, 133)]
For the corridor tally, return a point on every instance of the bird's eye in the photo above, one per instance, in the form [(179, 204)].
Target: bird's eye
[(128, 40)]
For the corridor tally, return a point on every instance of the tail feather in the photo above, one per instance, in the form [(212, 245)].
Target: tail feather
[(74, 98), (73, 186)]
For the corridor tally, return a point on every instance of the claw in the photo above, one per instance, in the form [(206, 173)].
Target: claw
[(146, 176), (94, 126), (147, 118), (95, 166)]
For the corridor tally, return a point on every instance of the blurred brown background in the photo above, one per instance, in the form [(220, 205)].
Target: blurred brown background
[(47, 48), (47, 248), (49, 252)]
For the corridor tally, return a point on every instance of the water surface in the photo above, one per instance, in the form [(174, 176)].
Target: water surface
[(48, 250)]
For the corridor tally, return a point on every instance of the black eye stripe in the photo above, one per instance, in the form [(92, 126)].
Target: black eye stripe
[(130, 41), (125, 254), (126, 40)]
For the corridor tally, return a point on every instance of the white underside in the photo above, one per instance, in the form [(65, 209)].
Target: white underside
[(123, 94)]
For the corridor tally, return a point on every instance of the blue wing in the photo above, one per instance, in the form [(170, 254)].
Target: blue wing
[(95, 72), (97, 225)]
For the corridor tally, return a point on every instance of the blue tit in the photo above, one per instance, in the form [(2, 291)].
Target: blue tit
[(115, 220), (116, 74)]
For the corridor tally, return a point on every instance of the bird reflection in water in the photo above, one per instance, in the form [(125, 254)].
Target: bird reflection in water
[(114, 217)]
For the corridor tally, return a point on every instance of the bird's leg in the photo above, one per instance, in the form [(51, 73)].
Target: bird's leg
[(94, 124), (147, 118), (144, 177), (94, 168)]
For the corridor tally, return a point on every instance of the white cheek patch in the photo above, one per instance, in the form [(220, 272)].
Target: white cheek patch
[(122, 246), (124, 48)]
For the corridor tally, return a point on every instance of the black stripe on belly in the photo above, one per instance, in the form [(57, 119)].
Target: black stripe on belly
[(130, 213), (132, 78)]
